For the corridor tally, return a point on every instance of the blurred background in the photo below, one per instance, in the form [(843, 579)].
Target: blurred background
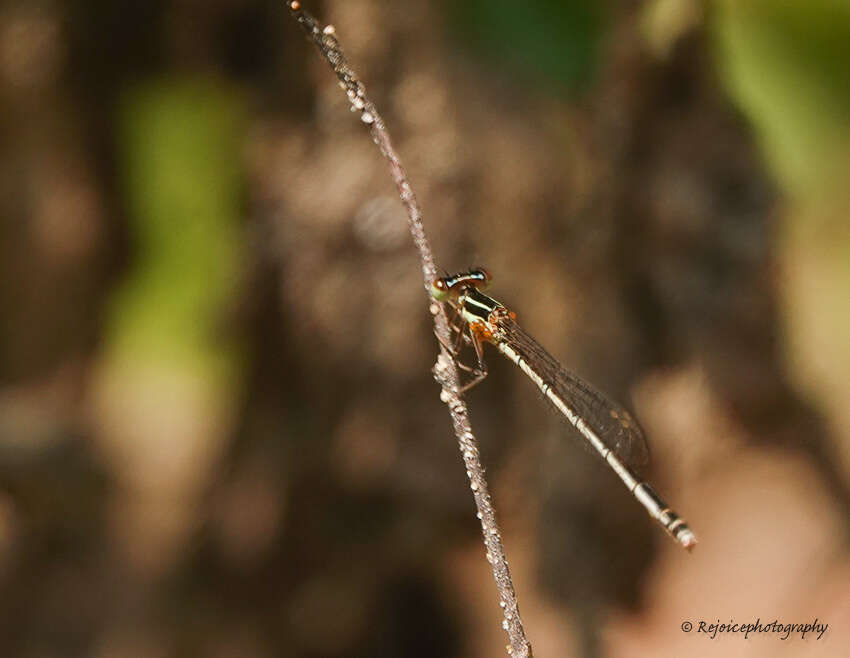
[(219, 435)]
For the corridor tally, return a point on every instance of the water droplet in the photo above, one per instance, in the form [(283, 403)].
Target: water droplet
[(434, 309), (358, 102), (329, 29), (367, 117), (479, 515), (445, 396), (473, 485), (502, 604), (505, 625)]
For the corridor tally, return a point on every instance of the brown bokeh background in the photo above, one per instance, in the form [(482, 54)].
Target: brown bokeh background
[(219, 435)]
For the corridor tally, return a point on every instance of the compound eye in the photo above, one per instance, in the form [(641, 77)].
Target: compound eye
[(486, 277), (440, 290)]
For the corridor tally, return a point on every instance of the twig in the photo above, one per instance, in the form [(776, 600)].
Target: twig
[(445, 370)]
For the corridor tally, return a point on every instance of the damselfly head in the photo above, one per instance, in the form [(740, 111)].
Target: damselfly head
[(454, 285)]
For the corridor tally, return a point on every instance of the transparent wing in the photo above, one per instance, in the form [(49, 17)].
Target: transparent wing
[(611, 423)]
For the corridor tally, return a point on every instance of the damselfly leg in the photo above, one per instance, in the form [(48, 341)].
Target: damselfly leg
[(464, 336)]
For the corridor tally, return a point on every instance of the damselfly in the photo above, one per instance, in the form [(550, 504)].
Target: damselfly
[(607, 427)]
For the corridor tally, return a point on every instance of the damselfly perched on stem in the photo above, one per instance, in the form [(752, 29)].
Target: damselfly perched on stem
[(607, 427)]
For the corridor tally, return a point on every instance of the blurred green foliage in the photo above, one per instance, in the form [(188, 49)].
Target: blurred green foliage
[(788, 65), (181, 166), (557, 39)]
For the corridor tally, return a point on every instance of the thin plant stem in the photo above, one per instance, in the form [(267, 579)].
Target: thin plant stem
[(445, 370)]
